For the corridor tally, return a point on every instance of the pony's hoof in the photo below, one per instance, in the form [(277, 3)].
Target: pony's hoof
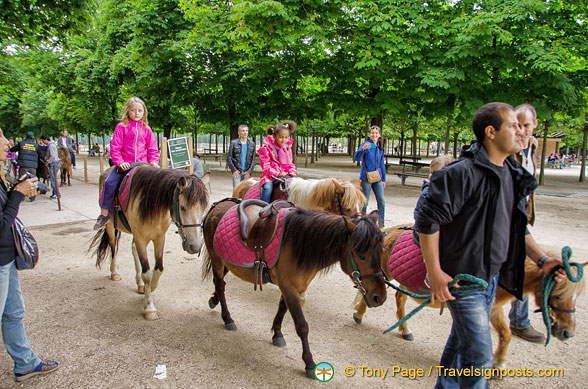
[(408, 337), (141, 289), (211, 303), (310, 373), (279, 342), (231, 327), (150, 315), (115, 277), (357, 319)]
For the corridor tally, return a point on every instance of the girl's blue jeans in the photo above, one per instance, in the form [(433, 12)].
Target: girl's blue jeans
[(266, 191), (109, 188)]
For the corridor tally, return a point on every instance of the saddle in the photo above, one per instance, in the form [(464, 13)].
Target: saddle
[(258, 222), (121, 197)]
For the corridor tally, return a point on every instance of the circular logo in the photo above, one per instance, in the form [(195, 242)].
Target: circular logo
[(324, 371)]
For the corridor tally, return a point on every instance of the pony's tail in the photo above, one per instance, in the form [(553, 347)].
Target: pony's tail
[(206, 263), (101, 242)]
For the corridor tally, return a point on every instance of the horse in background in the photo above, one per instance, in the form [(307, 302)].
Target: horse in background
[(309, 242), (562, 299), (156, 198), (42, 166), (328, 194), (65, 165)]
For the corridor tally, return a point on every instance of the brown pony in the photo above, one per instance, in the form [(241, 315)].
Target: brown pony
[(328, 194), (157, 198), (65, 165), (312, 241), (562, 301)]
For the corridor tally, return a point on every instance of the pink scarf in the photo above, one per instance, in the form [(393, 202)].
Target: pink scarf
[(283, 157)]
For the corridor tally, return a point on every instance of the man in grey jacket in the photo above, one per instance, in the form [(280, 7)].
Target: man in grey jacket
[(241, 156), (53, 161)]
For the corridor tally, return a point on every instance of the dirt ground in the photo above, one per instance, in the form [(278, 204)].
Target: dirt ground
[(95, 328)]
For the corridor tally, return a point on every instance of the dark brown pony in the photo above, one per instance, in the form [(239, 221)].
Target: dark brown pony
[(157, 198), (562, 301), (65, 165), (312, 241), (43, 166)]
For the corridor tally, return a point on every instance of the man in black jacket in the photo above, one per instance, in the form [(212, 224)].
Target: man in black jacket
[(241, 156), (28, 156), (473, 222)]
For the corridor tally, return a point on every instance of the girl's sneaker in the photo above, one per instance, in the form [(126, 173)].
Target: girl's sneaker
[(42, 368), (101, 222)]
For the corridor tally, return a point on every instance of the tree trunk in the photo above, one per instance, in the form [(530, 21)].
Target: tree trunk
[(543, 151), (447, 132), (167, 131), (583, 163)]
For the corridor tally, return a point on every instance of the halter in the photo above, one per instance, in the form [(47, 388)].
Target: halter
[(548, 283), (356, 275), (176, 212)]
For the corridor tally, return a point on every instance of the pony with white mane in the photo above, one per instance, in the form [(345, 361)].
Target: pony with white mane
[(341, 197)]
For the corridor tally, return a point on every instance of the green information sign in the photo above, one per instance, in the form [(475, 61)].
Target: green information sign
[(178, 152)]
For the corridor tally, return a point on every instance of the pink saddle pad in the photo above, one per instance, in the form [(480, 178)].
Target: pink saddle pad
[(123, 190), (406, 264), (254, 192), (227, 241)]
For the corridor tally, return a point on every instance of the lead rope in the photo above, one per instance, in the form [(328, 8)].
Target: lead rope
[(549, 281), (476, 284)]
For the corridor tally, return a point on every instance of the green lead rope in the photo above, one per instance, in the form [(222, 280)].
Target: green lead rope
[(475, 284), (549, 281)]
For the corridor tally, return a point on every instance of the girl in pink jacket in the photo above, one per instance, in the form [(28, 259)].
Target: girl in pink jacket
[(133, 141), (275, 157)]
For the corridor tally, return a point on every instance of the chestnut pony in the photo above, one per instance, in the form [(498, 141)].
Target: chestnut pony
[(328, 194), (562, 301), (311, 241)]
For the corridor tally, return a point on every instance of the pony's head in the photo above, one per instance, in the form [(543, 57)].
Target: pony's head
[(365, 250), (562, 306), (340, 197), (190, 203)]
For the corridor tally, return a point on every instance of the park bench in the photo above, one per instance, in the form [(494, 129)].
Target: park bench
[(401, 159), (416, 166)]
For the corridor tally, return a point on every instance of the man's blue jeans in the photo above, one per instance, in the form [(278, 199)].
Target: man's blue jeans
[(519, 313), (266, 191), (238, 179), (378, 189), (12, 311), (469, 343)]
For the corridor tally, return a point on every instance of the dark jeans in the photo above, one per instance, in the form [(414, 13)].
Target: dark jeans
[(109, 188), (469, 343)]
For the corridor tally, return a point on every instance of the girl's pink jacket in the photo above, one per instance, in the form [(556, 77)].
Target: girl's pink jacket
[(133, 143), (269, 160)]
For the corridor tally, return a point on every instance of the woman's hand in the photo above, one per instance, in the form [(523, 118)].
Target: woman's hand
[(28, 187), (366, 146), (124, 166)]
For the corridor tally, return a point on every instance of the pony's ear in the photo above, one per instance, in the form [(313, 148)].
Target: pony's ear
[(350, 225), (206, 178), (584, 264), (182, 183), (339, 189), (374, 216)]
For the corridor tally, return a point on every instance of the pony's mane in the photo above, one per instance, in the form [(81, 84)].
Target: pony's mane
[(567, 288), (154, 187), (320, 239), (320, 193)]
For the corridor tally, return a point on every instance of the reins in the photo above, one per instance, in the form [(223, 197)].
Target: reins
[(547, 285), (475, 284)]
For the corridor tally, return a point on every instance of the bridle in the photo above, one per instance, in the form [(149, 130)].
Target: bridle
[(176, 212), (356, 274)]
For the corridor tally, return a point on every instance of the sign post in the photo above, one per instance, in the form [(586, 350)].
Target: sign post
[(179, 153)]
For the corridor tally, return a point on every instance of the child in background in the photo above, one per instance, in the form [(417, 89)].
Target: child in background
[(133, 141), (275, 157), (436, 164)]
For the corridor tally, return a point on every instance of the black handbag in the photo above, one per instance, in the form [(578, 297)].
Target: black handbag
[(27, 251)]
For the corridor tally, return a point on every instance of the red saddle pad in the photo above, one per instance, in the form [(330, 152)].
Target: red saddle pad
[(406, 264)]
